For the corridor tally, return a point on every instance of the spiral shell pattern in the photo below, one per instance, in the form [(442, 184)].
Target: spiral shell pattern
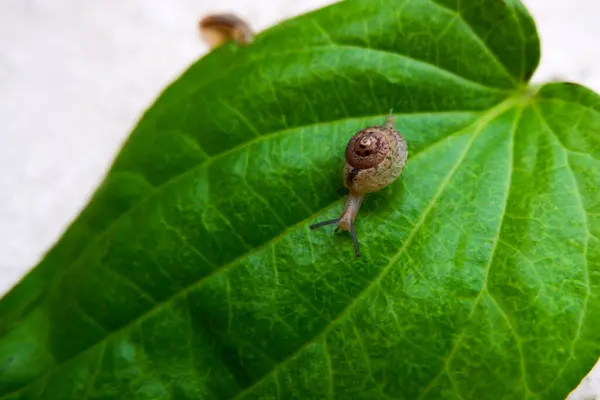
[(375, 157)]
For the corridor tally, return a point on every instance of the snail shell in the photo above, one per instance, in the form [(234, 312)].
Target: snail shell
[(220, 28), (375, 157)]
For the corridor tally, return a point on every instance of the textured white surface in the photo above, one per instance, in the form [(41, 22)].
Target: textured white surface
[(76, 75)]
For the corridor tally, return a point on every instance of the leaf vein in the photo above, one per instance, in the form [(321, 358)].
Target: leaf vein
[(96, 372), (187, 244), (586, 268), (330, 382), (478, 39), (484, 287)]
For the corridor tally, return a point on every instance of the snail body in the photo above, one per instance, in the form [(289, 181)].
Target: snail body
[(375, 157)]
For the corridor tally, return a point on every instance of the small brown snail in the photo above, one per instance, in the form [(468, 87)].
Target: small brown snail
[(217, 29), (375, 157)]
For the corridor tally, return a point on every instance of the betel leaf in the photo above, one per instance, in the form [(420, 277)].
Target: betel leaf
[(192, 273)]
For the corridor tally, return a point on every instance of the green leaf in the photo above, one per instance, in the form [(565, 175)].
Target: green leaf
[(192, 273)]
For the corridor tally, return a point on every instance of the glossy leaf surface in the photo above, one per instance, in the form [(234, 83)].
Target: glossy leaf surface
[(192, 273)]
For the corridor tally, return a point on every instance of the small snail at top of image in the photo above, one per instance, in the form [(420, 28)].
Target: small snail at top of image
[(217, 29), (375, 157)]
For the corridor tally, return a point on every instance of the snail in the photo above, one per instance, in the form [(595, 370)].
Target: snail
[(217, 29), (375, 157)]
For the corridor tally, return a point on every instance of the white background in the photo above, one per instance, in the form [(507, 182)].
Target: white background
[(75, 76)]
